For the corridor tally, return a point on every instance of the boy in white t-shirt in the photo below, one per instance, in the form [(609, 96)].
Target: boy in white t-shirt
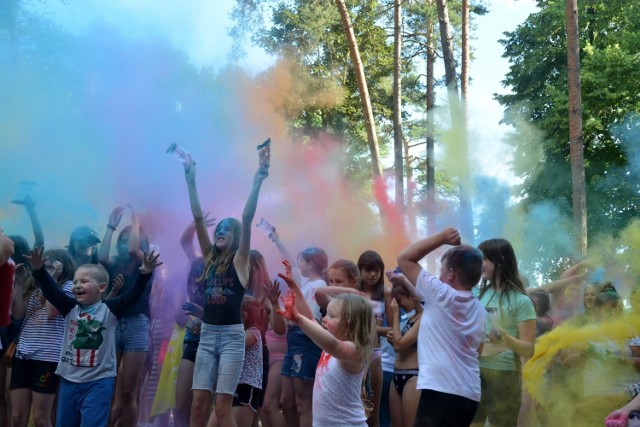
[(451, 332)]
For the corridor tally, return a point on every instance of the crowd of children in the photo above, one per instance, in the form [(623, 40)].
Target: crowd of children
[(322, 344)]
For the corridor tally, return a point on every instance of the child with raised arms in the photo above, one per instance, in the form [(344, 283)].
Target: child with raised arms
[(451, 333), (88, 359), (346, 338), (33, 379), (222, 338)]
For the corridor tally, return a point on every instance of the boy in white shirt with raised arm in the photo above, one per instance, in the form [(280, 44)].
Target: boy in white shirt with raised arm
[(451, 332)]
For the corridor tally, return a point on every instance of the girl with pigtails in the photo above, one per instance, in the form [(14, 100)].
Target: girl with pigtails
[(222, 339)]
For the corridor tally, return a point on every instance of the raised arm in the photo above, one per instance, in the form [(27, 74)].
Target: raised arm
[(30, 205), (186, 239), (302, 307), (121, 303), (198, 217), (104, 252), (284, 254), (19, 302), (409, 258), (345, 351), (63, 302), (402, 342), (325, 294), (241, 259), (273, 297), (135, 253)]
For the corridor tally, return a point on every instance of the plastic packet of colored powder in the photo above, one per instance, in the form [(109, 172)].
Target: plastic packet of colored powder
[(267, 228), (264, 150), (24, 192), (180, 153)]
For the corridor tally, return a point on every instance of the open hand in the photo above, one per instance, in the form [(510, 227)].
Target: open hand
[(115, 217), (117, 283), (290, 313), (150, 262), (209, 222), (35, 258), (21, 275), (192, 309), (288, 275), (273, 293)]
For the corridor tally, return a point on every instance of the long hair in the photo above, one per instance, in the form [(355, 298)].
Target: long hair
[(258, 274), (144, 240), (501, 254), (219, 260), (350, 269), (372, 261), (254, 314), (68, 269), (20, 249), (358, 324)]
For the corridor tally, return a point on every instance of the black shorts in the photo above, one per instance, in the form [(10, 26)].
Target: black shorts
[(437, 409), (35, 375), (189, 350), (248, 396)]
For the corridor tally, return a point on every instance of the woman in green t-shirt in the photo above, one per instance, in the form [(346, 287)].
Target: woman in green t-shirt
[(510, 334)]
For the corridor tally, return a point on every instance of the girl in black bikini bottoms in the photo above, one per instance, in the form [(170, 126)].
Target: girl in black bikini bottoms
[(403, 397)]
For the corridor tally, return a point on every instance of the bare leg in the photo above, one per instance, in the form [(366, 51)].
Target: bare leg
[(184, 396), (270, 414), (200, 408), (304, 394), (127, 385), (288, 402)]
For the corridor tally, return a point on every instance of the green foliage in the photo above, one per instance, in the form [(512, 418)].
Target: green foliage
[(610, 74)]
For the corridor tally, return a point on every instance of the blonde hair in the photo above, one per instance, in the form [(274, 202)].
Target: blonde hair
[(219, 260), (358, 324)]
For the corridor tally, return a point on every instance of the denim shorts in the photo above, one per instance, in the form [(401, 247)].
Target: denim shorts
[(302, 356), (219, 358), (132, 334)]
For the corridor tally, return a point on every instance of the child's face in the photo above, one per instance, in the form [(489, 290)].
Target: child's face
[(339, 277), (589, 297), (331, 322), (123, 245), (370, 278), (305, 266), (86, 288), (223, 235), (488, 268), (82, 247), (407, 302)]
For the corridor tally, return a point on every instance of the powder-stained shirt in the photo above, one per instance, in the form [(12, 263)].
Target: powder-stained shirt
[(337, 398)]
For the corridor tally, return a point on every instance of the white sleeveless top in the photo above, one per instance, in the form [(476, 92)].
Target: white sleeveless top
[(336, 395)]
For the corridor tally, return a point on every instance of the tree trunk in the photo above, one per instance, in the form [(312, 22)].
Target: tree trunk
[(466, 210), (431, 174), (576, 147), (361, 80), (397, 104), (464, 69)]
